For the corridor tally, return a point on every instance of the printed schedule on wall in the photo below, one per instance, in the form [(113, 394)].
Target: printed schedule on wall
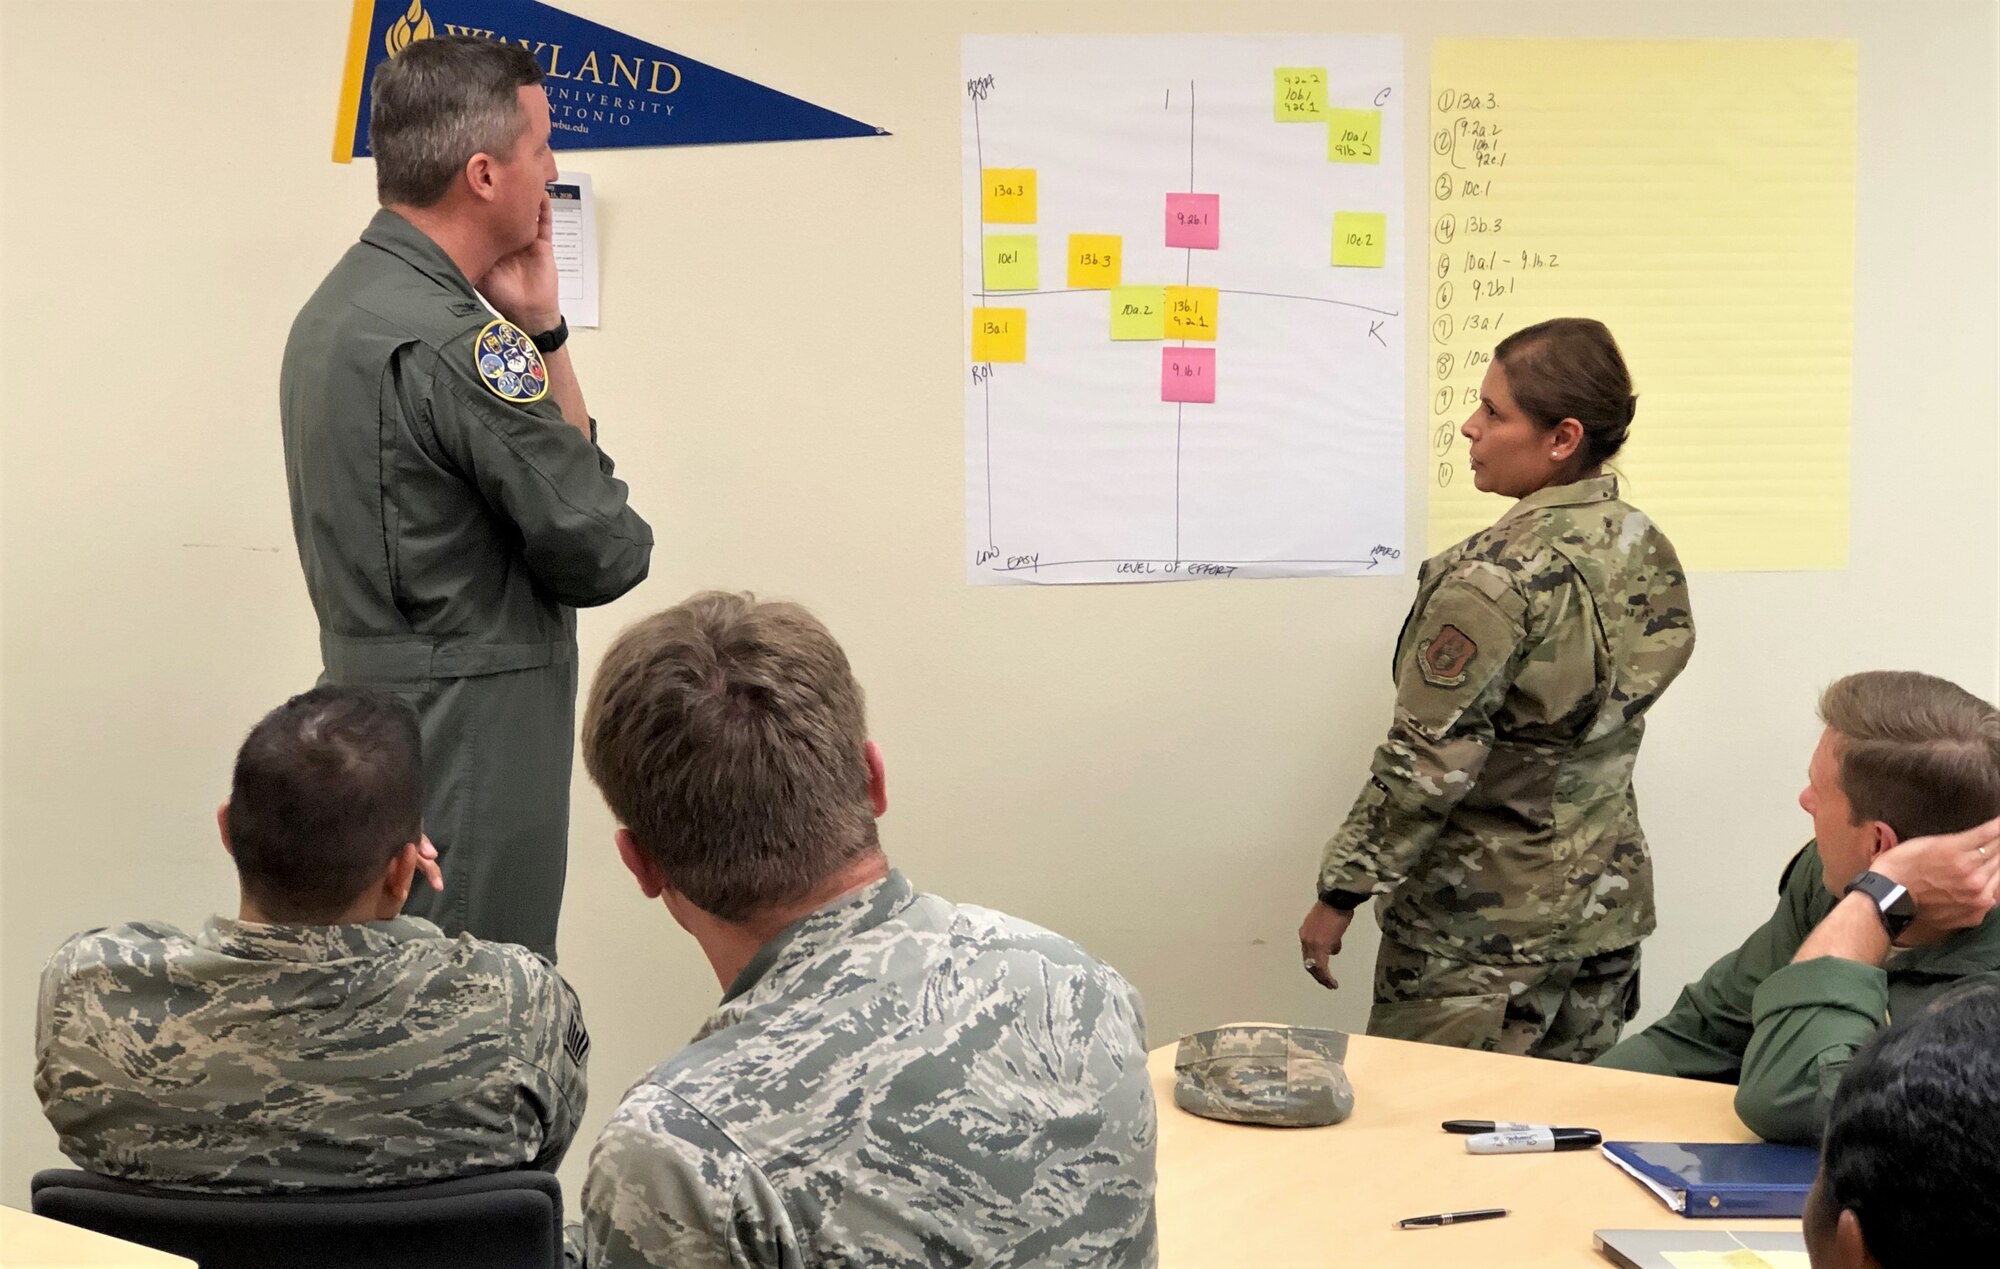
[(1183, 320), (1696, 196)]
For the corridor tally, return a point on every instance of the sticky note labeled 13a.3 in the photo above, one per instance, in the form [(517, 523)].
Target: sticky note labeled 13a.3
[(1360, 239), (1194, 220), (1193, 312), (1095, 260), (1012, 263), (1300, 94), (1187, 374), (1138, 312), (1007, 195), (1353, 136), (999, 334)]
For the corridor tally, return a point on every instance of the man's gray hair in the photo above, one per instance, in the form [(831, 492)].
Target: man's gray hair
[(436, 104)]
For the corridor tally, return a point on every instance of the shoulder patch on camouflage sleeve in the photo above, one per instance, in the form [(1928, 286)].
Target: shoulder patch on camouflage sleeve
[(576, 1041), (1446, 656), (509, 364)]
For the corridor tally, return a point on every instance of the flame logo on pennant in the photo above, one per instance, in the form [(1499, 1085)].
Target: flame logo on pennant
[(408, 29)]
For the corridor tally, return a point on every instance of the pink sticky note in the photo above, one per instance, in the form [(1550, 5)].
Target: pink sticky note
[(1194, 220), (1187, 374)]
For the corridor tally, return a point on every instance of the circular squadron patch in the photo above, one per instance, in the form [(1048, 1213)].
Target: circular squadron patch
[(509, 364)]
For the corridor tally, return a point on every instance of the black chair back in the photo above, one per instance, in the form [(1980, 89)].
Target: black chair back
[(500, 1220)]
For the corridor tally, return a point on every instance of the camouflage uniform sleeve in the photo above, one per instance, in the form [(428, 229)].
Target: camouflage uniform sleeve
[(1460, 657), (667, 1188), (558, 1056)]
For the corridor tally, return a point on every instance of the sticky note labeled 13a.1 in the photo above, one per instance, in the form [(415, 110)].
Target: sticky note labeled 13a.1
[(999, 334), (1353, 136), (1187, 374), (1007, 195), (1360, 239), (1138, 312), (1095, 260), (1012, 263), (1194, 220), (1193, 312), (1300, 94)]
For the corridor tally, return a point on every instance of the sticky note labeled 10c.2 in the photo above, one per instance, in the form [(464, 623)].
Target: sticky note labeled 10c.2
[(1300, 94), (1139, 312), (1007, 195), (1187, 374), (1192, 312), (1095, 260), (999, 334), (1011, 263), (1194, 220), (1360, 239), (1353, 136)]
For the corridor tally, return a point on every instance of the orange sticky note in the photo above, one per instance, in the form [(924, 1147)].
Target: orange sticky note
[(999, 334), (1095, 260), (1192, 312), (1007, 195)]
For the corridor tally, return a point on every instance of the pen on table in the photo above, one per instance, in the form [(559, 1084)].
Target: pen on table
[(1533, 1141), (1452, 1218)]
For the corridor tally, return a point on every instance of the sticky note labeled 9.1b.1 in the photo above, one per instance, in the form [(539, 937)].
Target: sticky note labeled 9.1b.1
[(1300, 94), (1011, 263), (1187, 374), (1192, 312), (1360, 239), (999, 334), (1194, 220), (1353, 136), (1007, 195), (1095, 260), (1139, 312)]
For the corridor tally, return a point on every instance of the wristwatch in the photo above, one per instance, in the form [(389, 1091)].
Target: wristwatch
[(550, 340), (1343, 900), (1892, 901)]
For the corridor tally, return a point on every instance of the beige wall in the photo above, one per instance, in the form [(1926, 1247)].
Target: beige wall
[(1150, 769)]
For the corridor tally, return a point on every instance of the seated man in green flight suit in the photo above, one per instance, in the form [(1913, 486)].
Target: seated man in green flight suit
[(1871, 924)]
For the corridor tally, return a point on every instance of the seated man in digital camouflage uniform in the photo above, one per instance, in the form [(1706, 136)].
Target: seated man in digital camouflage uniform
[(318, 1041), (1870, 924), (891, 1079)]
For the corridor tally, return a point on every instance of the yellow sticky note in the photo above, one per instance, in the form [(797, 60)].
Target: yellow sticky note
[(1012, 263), (1360, 239), (1192, 312), (1300, 94), (1740, 1258), (1095, 260), (1353, 136), (1007, 195), (1139, 312), (999, 334)]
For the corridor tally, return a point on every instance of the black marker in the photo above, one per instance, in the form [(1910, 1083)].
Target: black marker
[(1533, 1141), (1467, 1126), (1452, 1218)]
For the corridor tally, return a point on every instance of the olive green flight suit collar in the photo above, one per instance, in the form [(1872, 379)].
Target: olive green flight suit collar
[(414, 247)]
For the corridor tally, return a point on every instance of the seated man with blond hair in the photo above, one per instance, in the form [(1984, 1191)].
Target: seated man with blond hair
[(1870, 924), (891, 1079)]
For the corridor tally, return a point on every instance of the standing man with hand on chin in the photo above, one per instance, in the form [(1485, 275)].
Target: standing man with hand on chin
[(450, 503)]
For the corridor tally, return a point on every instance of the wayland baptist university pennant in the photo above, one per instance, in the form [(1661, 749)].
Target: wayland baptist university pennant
[(606, 89)]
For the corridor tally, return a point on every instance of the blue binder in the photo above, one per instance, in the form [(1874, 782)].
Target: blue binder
[(1740, 1179)]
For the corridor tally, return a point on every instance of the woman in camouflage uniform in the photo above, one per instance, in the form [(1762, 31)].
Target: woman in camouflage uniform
[(1499, 825)]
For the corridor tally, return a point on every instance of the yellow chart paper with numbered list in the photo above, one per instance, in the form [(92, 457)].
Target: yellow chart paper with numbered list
[(1697, 196)]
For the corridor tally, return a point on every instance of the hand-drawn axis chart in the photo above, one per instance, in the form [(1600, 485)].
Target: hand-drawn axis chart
[(1184, 307)]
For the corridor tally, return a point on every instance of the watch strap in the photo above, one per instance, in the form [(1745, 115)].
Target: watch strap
[(1343, 900), (550, 340), (1892, 900)]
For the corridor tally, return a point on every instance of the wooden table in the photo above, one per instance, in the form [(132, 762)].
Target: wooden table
[(28, 1241), (1230, 1194)]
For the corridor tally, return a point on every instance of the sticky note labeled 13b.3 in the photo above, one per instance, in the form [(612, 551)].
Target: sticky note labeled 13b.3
[(1353, 136), (1187, 374), (1095, 260), (1138, 312), (999, 334), (1007, 195), (1193, 312), (1012, 263), (1360, 239)]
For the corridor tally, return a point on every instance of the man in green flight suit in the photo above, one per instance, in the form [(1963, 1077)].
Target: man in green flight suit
[(450, 503), (1870, 925)]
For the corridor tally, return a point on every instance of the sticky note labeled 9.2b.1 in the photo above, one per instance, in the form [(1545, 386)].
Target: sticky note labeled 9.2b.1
[(1300, 94), (1353, 136), (1012, 263), (1007, 195), (1360, 239), (999, 334), (1194, 220), (1187, 374), (1139, 312), (1193, 312), (1095, 260)]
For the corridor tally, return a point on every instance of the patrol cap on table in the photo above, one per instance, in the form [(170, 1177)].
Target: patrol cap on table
[(1286, 1077)]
